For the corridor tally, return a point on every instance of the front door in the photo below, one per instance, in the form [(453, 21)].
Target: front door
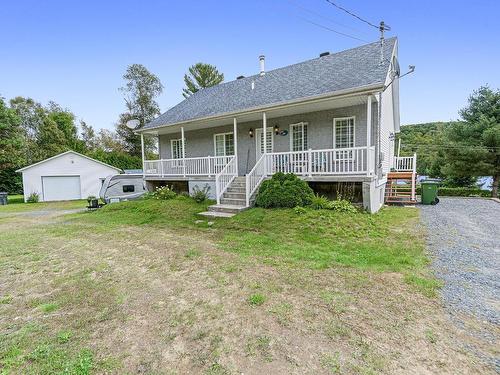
[(259, 142)]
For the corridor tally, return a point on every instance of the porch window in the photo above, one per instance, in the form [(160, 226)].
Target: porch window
[(224, 144), (298, 138), (176, 147), (343, 134)]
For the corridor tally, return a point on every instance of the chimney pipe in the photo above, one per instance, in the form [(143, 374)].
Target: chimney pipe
[(262, 61)]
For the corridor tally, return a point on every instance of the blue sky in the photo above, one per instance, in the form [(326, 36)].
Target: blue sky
[(75, 53)]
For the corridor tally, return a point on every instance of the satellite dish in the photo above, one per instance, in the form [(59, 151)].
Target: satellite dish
[(132, 124)]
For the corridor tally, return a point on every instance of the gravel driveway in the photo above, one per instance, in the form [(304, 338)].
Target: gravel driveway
[(464, 242)]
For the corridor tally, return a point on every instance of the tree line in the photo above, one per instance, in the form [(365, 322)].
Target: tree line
[(31, 132), (460, 151)]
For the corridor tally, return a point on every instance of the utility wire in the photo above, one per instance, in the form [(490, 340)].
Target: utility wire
[(332, 30), (352, 14), (320, 15)]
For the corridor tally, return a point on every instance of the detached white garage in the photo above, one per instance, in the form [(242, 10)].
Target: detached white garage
[(66, 176)]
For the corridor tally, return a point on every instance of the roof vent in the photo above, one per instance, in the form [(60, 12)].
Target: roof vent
[(323, 54), (262, 64), (240, 77)]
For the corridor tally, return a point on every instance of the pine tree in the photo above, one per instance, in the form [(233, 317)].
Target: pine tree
[(474, 148), (200, 76)]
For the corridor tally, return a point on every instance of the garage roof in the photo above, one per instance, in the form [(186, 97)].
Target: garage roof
[(65, 153)]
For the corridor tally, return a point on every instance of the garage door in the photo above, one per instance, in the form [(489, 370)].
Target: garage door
[(61, 188)]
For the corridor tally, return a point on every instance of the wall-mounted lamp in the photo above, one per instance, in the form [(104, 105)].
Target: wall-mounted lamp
[(276, 129), (250, 132)]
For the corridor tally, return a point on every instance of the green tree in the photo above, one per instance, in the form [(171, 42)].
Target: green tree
[(200, 76), (474, 144), (50, 140), (140, 91), (11, 149), (31, 115), (88, 136)]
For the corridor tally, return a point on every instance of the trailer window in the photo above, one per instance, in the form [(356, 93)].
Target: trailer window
[(128, 188)]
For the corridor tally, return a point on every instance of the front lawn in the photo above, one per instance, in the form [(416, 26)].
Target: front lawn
[(150, 287)]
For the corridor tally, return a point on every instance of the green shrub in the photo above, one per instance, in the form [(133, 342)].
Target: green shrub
[(459, 192), (320, 202), (343, 205), (284, 190), (299, 210), (33, 198), (200, 195), (163, 193)]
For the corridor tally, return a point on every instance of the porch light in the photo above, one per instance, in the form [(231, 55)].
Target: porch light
[(276, 129), (250, 132)]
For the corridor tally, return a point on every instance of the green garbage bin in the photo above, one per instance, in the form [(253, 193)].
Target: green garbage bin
[(429, 192)]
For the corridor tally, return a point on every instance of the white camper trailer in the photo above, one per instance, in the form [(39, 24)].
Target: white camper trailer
[(122, 187)]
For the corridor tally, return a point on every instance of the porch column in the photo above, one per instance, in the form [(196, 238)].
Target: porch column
[(235, 137), (264, 135), (183, 152), (368, 133), (142, 155)]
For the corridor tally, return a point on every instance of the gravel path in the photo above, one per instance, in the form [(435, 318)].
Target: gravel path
[(464, 242)]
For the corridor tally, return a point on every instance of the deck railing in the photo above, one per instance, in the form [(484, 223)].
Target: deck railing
[(201, 166), (224, 178), (353, 160), (405, 163), (345, 161)]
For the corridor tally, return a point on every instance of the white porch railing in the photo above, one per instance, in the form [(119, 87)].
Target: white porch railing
[(345, 161), (353, 160), (224, 178), (202, 166), (405, 163)]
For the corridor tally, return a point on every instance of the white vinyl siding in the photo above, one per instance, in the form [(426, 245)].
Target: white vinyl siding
[(298, 137), (224, 144)]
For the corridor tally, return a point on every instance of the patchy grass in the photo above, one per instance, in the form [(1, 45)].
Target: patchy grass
[(256, 299), (48, 307), (139, 287), (388, 241), (16, 204)]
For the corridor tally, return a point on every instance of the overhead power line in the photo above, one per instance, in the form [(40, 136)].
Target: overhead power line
[(296, 4), (332, 30), (352, 14)]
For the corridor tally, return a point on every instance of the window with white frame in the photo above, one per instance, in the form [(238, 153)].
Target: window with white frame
[(176, 147), (343, 134), (224, 144), (298, 136)]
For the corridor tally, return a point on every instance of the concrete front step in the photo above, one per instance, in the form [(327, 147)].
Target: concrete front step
[(232, 189), (233, 201), (238, 184), (216, 214), (231, 195), (227, 208)]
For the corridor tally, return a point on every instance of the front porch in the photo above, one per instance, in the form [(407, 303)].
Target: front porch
[(328, 140)]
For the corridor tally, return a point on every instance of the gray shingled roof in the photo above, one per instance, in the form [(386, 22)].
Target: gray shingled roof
[(343, 70)]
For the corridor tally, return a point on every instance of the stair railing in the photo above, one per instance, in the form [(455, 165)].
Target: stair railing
[(224, 178), (255, 177), (414, 176)]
